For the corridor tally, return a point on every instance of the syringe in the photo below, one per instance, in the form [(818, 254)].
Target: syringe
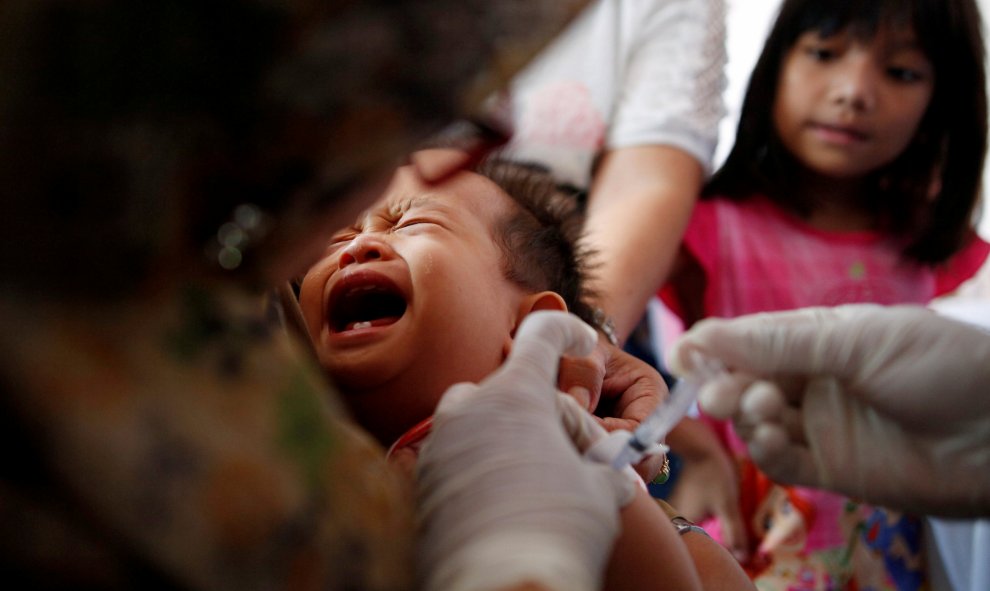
[(623, 449)]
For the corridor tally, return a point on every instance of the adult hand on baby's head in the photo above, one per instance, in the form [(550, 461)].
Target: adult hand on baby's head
[(627, 388)]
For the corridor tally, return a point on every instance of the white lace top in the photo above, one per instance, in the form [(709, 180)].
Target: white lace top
[(626, 73)]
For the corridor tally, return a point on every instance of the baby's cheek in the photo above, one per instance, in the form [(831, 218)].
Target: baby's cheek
[(311, 298)]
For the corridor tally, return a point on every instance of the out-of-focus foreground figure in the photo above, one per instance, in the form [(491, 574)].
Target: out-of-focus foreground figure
[(161, 165)]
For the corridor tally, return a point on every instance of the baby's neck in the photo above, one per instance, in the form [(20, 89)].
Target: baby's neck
[(388, 411)]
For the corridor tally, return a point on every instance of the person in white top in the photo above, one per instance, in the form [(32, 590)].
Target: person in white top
[(626, 104)]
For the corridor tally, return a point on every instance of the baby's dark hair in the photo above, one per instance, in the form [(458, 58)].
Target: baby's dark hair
[(946, 153), (541, 240)]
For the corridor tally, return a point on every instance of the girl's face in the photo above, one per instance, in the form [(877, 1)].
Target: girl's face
[(846, 106)]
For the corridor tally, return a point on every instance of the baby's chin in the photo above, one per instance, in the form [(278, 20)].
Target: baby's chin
[(379, 376), (365, 365)]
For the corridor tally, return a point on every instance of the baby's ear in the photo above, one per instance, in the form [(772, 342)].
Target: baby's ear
[(544, 300)]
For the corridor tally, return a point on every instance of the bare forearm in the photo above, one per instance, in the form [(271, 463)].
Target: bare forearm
[(639, 206), (649, 553)]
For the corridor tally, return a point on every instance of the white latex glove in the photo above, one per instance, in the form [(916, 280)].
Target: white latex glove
[(505, 495), (890, 405)]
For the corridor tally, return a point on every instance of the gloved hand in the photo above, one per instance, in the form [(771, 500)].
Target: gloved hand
[(890, 405), (627, 388), (505, 495)]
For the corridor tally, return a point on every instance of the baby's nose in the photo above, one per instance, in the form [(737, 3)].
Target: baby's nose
[(363, 249)]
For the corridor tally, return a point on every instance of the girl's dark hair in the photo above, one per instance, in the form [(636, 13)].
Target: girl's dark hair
[(541, 239), (946, 153)]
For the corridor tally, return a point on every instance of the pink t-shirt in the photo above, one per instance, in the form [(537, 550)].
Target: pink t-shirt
[(757, 258)]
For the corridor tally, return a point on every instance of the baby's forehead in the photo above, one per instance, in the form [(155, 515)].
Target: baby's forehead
[(467, 194)]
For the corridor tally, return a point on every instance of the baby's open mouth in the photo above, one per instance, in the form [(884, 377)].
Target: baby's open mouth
[(366, 305)]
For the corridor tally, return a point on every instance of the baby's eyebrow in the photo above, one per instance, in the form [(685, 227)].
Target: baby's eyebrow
[(429, 201)]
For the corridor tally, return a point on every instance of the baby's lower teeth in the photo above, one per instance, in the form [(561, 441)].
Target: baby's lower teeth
[(360, 325)]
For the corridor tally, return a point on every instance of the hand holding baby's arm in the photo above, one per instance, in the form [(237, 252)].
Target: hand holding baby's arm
[(505, 494), (627, 387)]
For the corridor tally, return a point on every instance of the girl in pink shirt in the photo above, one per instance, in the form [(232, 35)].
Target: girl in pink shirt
[(855, 177)]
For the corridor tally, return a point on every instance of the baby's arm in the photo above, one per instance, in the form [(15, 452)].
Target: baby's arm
[(651, 555)]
